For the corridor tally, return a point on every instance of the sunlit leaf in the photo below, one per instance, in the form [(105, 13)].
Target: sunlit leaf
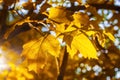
[(35, 52), (60, 28), (111, 37), (80, 19), (33, 55), (71, 50), (101, 39), (51, 45), (90, 33), (70, 28), (84, 46), (58, 14)]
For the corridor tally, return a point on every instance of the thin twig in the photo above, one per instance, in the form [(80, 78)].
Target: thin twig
[(57, 65)]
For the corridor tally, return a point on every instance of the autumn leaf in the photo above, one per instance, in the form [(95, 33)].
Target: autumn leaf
[(35, 52), (68, 39), (90, 33), (101, 39), (70, 28), (80, 19), (17, 24), (109, 35), (58, 14), (60, 28), (51, 45), (34, 58), (63, 29), (83, 45), (71, 50)]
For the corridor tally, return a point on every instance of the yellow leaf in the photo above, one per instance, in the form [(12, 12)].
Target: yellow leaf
[(33, 55), (70, 28), (17, 24), (111, 37), (36, 66), (31, 48), (51, 45), (84, 46), (101, 38), (90, 33), (71, 50), (35, 52), (80, 19), (58, 14), (60, 28)]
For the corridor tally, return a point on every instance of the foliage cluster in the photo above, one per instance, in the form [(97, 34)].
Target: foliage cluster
[(56, 39)]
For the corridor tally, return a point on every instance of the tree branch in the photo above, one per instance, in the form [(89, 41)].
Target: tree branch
[(97, 6), (63, 66)]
